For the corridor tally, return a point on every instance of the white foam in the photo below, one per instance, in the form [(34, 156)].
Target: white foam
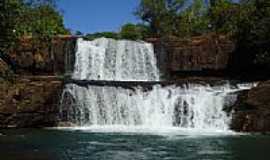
[(194, 106), (148, 130)]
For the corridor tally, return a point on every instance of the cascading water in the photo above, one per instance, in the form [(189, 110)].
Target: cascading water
[(108, 59), (193, 106), (189, 106)]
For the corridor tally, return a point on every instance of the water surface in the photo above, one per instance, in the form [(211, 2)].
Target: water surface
[(91, 144)]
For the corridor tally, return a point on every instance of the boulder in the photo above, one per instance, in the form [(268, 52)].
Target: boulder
[(252, 110), (4, 69)]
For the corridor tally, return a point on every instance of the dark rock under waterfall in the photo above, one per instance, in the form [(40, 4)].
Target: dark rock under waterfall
[(252, 110)]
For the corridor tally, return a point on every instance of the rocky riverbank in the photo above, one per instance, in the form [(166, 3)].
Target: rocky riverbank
[(252, 110), (29, 102)]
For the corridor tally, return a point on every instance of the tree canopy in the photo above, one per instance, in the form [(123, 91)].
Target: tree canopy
[(37, 18), (246, 22)]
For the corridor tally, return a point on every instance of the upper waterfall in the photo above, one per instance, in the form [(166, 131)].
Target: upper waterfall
[(119, 60)]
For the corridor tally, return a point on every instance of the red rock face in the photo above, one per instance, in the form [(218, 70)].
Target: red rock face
[(198, 54), (29, 102), (41, 58)]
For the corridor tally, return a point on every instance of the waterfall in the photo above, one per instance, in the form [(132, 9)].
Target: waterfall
[(192, 106), (121, 60), (186, 106)]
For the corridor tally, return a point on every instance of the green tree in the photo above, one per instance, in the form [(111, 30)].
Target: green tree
[(93, 36), (133, 32), (174, 17), (153, 12), (37, 18), (253, 35), (10, 11), (223, 15), (41, 20), (194, 19)]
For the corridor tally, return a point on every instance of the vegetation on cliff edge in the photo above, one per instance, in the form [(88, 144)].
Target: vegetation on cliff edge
[(245, 21), (39, 19)]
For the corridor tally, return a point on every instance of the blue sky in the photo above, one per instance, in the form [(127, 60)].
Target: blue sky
[(90, 16)]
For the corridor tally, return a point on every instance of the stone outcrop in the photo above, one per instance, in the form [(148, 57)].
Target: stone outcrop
[(209, 54), (44, 58), (30, 97), (29, 102), (4, 69), (252, 110)]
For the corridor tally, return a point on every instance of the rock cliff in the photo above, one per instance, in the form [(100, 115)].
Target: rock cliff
[(252, 110), (204, 55), (29, 95), (44, 58), (29, 102)]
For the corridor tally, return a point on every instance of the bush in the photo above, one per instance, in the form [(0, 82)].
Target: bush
[(37, 18), (93, 36), (130, 31), (134, 32)]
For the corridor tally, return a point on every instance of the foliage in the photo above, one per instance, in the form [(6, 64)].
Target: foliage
[(195, 19), (10, 11), (37, 18), (93, 36), (128, 31), (253, 34), (223, 16), (78, 33), (246, 21), (174, 17), (159, 14), (134, 32)]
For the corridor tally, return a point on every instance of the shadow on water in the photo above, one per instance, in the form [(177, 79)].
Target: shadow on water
[(84, 145)]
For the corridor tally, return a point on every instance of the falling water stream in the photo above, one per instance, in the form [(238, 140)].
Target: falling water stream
[(191, 106), (122, 60)]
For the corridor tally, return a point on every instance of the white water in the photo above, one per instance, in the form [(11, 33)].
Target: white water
[(195, 107), (122, 60)]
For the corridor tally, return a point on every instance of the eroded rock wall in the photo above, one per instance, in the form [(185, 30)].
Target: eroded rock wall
[(252, 110), (44, 58), (204, 55), (29, 102), (30, 87)]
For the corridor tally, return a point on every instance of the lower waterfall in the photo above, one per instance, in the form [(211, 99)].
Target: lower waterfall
[(190, 106)]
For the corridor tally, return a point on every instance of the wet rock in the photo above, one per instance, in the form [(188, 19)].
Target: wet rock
[(252, 110)]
